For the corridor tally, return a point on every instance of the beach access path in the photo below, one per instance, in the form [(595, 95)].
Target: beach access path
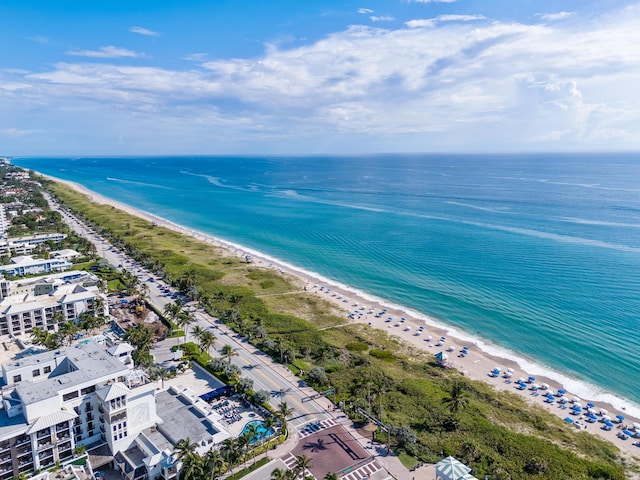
[(476, 365)]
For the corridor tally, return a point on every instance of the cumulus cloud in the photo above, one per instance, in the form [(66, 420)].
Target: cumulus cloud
[(512, 85), (144, 31), (552, 17), (106, 52)]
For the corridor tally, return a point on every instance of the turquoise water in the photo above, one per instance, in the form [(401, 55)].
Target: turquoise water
[(536, 254), (262, 432)]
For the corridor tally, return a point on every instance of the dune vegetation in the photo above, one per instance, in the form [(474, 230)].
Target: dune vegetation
[(430, 412)]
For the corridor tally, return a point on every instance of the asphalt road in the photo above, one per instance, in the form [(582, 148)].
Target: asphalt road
[(256, 365)]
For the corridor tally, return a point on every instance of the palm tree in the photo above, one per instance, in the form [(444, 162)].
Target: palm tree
[(215, 463), (284, 412), (228, 353), (207, 340), (331, 476), (197, 331), (458, 398), (183, 321), (68, 330), (253, 433), (302, 463), (230, 450), (189, 277), (185, 448)]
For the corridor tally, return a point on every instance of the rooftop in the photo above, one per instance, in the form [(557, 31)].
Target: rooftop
[(87, 362), (181, 419)]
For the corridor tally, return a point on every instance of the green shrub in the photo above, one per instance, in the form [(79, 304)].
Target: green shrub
[(382, 355), (357, 347)]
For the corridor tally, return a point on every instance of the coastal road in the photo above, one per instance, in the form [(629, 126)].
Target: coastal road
[(254, 364)]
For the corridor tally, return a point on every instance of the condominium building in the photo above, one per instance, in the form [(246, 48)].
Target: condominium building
[(56, 400), (21, 314), (25, 245), (27, 265), (45, 285)]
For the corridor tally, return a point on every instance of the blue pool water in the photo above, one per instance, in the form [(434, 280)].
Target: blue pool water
[(263, 432)]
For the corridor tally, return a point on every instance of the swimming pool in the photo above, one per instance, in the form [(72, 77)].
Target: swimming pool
[(262, 432)]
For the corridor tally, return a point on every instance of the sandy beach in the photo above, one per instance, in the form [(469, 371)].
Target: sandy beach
[(477, 364)]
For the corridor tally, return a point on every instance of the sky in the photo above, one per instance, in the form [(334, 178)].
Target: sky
[(154, 77)]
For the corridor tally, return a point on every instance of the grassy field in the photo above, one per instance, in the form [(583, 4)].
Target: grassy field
[(497, 434)]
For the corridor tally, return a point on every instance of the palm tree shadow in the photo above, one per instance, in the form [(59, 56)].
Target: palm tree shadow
[(316, 446)]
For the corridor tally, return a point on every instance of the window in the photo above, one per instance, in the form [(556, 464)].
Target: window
[(115, 427), (36, 373), (17, 378), (68, 396), (88, 390), (47, 369)]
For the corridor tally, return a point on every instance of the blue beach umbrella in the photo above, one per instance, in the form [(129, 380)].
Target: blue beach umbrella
[(568, 419), (548, 395), (628, 433), (590, 405), (620, 417), (608, 424), (593, 416), (561, 392), (532, 379)]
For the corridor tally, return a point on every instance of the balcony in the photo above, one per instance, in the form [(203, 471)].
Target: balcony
[(22, 441), (4, 446), (5, 459), (24, 451)]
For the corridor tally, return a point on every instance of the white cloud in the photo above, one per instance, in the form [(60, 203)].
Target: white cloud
[(365, 11), (144, 31), (552, 17), (456, 85), (375, 18), (106, 52), (431, 22), (459, 18)]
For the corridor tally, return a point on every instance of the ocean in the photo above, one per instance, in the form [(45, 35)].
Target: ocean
[(537, 255)]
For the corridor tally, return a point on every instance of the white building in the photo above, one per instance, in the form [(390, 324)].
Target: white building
[(44, 285), (27, 265), (20, 315), (25, 245), (56, 400)]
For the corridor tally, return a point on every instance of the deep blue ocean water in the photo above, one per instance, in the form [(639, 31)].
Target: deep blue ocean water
[(538, 254)]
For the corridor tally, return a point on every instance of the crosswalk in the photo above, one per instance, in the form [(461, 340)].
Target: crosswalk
[(364, 472), (290, 461), (311, 428)]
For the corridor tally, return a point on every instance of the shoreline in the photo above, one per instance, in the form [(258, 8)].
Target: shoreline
[(477, 365)]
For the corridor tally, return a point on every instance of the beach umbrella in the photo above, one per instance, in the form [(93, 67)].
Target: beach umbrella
[(590, 405), (563, 400), (403, 319), (576, 399), (532, 379), (521, 380), (603, 411), (608, 424), (620, 418), (544, 386), (443, 338), (593, 416), (568, 419), (628, 433), (507, 374), (636, 426), (550, 393), (606, 418), (562, 391), (510, 370)]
